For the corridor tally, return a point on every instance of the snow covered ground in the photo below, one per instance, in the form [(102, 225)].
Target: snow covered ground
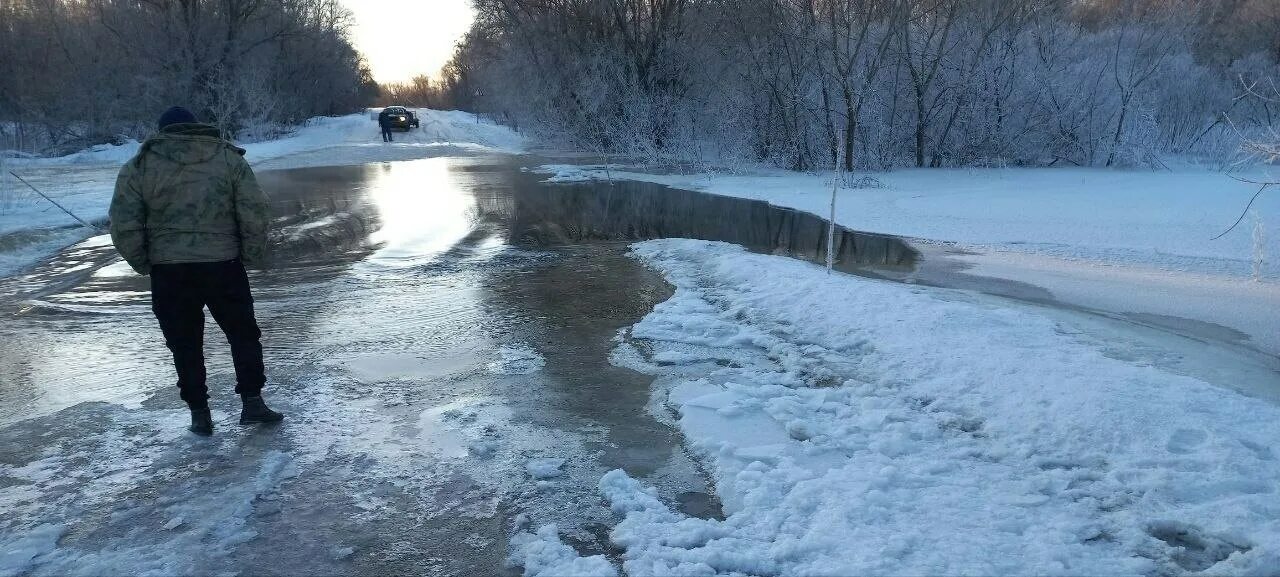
[(31, 229), (858, 427)]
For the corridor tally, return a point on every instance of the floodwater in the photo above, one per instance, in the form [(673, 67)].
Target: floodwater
[(422, 361), (430, 327)]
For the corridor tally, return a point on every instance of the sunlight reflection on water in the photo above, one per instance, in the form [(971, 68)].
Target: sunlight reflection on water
[(423, 211)]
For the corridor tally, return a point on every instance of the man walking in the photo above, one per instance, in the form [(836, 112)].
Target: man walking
[(384, 122), (188, 211)]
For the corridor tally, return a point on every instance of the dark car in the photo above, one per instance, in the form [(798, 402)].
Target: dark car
[(401, 118)]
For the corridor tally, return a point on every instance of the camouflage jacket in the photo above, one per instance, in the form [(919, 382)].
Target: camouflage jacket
[(188, 196)]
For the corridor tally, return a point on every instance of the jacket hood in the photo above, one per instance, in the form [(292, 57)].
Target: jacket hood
[(188, 143)]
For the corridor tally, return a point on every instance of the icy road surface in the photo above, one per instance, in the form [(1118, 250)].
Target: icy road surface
[(442, 388)]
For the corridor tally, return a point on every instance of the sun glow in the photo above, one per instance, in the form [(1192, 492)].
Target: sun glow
[(401, 39)]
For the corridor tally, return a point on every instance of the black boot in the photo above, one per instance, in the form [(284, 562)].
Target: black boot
[(256, 411), (201, 422)]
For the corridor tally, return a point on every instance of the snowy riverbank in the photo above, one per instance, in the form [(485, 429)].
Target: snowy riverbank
[(31, 229), (855, 426), (1161, 219)]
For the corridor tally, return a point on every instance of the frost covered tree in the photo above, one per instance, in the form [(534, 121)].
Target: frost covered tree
[(77, 72), (899, 82)]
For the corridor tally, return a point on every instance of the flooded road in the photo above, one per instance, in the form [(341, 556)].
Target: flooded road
[(423, 361), (438, 333)]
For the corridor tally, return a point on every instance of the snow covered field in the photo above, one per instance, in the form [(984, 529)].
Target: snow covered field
[(856, 426), (31, 229)]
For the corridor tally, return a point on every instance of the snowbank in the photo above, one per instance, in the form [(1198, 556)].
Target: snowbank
[(1163, 219), (862, 427)]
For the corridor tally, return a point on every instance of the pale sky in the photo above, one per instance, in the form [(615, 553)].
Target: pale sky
[(403, 38)]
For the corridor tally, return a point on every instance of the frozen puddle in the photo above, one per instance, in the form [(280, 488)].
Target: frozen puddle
[(517, 359), (378, 367), (435, 432)]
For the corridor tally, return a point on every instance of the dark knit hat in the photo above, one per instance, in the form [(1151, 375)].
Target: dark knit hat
[(176, 115)]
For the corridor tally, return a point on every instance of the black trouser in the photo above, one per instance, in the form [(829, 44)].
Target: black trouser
[(179, 293), (386, 134)]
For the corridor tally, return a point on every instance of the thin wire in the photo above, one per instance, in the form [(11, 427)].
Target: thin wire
[(54, 202)]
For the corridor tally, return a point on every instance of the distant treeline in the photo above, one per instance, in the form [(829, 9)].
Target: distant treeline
[(898, 82), (420, 91), (81, 72)]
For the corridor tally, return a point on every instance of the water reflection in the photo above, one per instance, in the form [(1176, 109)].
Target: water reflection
[(327, 219), (417, 211), (422, 209), (574, 213)]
